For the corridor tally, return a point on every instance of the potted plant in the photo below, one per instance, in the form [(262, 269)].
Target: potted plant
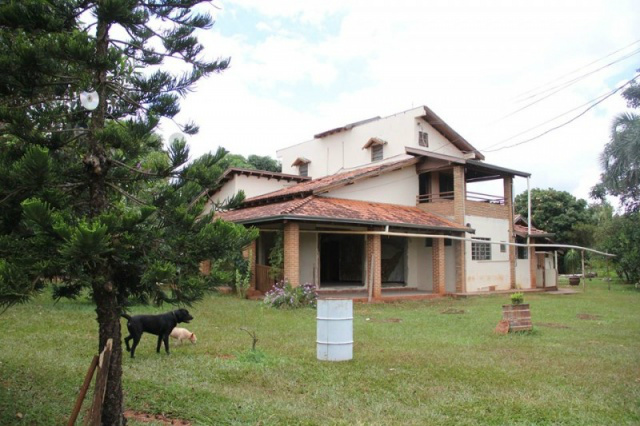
[(571, 265), (517, 313)]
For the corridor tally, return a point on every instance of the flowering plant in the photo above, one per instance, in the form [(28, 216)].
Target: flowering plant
[(284, 295)]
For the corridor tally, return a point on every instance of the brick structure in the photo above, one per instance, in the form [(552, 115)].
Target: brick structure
[(205, 267), (461, 270), (508, 199), (478, 208), (533, 266), (459, 195), (292, 253), (249, 253), (374, 250), (439, 275)]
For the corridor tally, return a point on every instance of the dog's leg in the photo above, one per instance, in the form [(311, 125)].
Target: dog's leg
[(126, 342), (166, 343), (133, 347), (159, 343)]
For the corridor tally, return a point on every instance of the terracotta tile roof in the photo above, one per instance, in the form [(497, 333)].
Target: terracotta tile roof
[(323, 209), (339, 179), (521, 229)]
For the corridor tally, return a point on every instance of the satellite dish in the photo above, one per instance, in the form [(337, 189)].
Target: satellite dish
[(176, 137), (89, 100)]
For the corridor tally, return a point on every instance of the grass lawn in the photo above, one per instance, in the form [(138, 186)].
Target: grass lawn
[(413, 364)]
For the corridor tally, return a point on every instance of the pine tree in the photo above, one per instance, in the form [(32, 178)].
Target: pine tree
[(89, 199)]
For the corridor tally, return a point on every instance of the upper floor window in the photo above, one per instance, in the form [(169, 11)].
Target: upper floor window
[(303, 166), (376, 153), (423, 138), (480, 250)]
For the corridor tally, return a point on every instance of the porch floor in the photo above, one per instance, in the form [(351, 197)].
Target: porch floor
[(388, 294)]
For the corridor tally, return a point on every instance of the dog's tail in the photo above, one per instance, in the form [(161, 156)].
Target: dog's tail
[(128, 317)]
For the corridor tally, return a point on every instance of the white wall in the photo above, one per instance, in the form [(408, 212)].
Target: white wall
[(481, 274), (523, 273), (308, 256), (398, 187), (343, 150), (420, 272)]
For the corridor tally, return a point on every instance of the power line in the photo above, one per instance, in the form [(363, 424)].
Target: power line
[(574, 71), (570, 121), (567, 84), (545, 122)]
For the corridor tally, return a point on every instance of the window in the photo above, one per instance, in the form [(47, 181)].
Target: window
[(480, 251), (423, 139), (424, 187), (503, 248), (523, 252), (376, 152), (303, 169)]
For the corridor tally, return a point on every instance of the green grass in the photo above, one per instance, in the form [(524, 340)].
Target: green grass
[(429, 368)]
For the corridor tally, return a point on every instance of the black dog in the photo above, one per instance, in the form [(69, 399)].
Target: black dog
[(160, 325)]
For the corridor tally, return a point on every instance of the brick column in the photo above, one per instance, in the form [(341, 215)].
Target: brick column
[(459, 194), (292, 253), (508, 200), (374, 249), (205, 267), (249, 253), (533, 266), (438, 266), (459, 249)]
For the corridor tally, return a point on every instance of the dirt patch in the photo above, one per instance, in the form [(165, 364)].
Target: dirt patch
[(384, 319), (226, 357), (551, 325), (588, 317), (453, 311), (148, 418)]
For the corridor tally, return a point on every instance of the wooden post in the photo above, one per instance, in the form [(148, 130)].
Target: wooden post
[(83, 391), (95, 412), (584, 280)]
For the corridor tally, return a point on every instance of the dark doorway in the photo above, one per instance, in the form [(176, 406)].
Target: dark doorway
[(341, 259), (394, 261)]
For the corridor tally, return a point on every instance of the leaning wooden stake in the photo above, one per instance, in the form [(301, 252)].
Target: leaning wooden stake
[(83, 391), (95, 412)]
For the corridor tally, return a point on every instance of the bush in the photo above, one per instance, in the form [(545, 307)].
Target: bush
[(283, 295), (517, 298)]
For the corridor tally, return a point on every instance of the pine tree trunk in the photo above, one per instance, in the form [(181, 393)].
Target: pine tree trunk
[(107, 306), (108, 312)]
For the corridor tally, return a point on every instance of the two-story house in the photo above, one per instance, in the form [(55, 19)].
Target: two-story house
[(383, 207)]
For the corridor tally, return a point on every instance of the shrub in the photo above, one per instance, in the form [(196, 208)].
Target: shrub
[(517, 298), (283, 295)]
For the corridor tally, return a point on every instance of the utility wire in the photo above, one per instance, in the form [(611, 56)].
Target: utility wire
[(545, 122), (569, 83), (572, 72), (567, 122)]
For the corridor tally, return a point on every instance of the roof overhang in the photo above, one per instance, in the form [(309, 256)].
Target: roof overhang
[(374, 141), (322, 219), (447, 131), (344, 128), (300, 161)]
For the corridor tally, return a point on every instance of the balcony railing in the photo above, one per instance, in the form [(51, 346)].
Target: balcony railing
[(471, 196)]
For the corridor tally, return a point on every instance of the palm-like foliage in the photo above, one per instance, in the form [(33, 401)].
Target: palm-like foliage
[(621, 160)]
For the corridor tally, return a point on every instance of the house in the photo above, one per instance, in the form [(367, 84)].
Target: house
[(384, 207)]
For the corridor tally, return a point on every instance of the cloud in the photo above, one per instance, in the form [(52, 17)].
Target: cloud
[(302, 67)]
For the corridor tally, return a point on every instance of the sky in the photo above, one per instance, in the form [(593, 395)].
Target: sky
[(499, 72)]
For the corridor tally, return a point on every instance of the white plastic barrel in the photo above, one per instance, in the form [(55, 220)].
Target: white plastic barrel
[(335, 329)]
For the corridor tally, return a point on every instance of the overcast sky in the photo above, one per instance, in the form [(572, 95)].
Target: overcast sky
[(302, 67)]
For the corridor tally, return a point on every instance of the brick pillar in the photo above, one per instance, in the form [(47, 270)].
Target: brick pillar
[(459, 194), (438, 266), (459, 249), (508, 200), (292, 253), (374, 250), (249, 253), (205, 267), (533, 266)]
